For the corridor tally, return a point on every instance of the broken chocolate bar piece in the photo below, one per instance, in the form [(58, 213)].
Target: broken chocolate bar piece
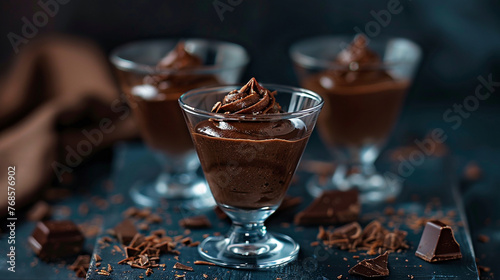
[(56, 239), (195, 222), (376, 267), (438, 243), (125, 231), (330, 208)]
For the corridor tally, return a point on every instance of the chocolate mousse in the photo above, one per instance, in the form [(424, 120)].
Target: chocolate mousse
[(362, 100), (153, 99), (249, 164)]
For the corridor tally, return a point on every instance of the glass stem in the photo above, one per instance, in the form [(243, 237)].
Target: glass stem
[(177, 176), (247, 233)]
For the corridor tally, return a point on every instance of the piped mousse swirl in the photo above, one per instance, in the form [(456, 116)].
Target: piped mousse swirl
[(180, 62), (251, 99)]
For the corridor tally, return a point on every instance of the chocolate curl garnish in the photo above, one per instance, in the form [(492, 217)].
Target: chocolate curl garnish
[(252, 98), (358, 52), (179, 58)]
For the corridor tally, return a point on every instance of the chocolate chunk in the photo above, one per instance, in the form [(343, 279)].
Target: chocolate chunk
[(330, 208), (195, 222), (376, 267), (182, 267), (56, 239), (125, 231), (438, 243), (40, 211)]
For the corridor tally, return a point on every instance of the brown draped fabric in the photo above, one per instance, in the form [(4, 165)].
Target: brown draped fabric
[(58, 104)]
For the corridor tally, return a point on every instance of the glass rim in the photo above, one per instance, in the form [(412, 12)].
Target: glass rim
[(133, 66), (251, 117), (308, 61)]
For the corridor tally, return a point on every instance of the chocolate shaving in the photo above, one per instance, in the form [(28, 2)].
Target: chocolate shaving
[(203, 263), (372, 238), (220, 213), (181, 266), (194, 244)]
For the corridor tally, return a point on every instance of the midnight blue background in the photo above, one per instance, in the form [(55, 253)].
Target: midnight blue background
[(460, 38)]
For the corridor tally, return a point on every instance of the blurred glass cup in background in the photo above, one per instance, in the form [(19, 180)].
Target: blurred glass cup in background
[(364, 84), (152, 82)]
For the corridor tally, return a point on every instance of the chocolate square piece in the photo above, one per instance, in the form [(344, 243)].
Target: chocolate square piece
[(56, 239), (125, 231), (376, 267), (330, 208), (438, 243)]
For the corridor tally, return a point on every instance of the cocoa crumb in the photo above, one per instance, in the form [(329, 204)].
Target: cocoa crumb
[(483, 238)]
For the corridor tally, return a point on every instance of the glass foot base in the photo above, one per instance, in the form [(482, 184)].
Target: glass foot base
[(372, 189), (195, 196), (276, 250)]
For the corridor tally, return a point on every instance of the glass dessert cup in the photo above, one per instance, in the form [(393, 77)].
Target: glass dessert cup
[(152, 91), (248, 175), (362, 103)]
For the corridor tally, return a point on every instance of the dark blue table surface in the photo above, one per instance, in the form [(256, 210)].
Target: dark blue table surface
[(475, 139)]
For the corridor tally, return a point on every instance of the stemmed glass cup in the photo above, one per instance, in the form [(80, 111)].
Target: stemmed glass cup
[(250, 175)]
